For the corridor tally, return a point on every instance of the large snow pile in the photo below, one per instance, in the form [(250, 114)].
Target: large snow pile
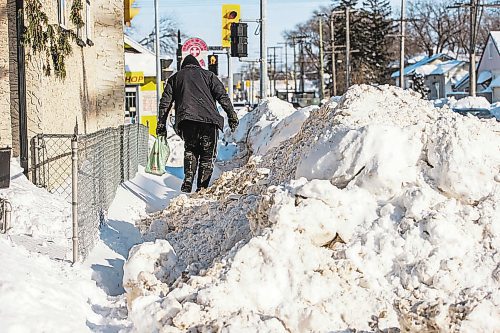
[(272, 122), (383, 212)]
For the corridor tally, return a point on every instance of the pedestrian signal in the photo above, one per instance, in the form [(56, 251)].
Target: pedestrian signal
[(230, 14), (213, 64)]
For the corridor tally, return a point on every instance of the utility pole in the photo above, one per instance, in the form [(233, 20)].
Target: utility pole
[(294, 66), (263, 49), (273, 70), (158, 64), (347, 48), (402, 46), (321, 63), (473, 6), (286, 68), (332, 45), (301, 57), (472, 46)]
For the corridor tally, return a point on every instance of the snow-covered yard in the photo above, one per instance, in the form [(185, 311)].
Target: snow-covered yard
[(376, 212)]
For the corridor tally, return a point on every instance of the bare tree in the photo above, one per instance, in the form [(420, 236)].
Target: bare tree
[(435, 28), (168, 36)]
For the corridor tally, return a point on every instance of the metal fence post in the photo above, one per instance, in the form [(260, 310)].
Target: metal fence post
[(74, 195), (34, 157)]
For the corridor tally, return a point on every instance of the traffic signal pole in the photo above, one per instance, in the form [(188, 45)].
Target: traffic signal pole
[(229, 75), (263, 50)]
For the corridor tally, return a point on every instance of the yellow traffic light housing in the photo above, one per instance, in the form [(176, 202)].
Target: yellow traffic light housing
[(230, 14), (129, 11)]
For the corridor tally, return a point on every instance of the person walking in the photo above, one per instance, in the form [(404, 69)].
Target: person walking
[(194, 91)]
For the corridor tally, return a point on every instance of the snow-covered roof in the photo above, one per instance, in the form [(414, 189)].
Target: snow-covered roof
[(140, 60), (439, 69), (483, 77), (410, 70), (138, 48), (461, 82)]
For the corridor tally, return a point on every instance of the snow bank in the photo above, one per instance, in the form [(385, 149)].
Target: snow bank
[(470, 103), (382, 212), (149, 268), (272, 122), (36, 212), (35, 293)]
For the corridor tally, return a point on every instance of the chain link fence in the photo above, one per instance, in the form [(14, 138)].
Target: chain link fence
[(104, 160)]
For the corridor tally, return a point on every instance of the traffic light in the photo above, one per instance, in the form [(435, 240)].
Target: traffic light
[(230, 14), (213, 64), (129, 11), (239, 40)]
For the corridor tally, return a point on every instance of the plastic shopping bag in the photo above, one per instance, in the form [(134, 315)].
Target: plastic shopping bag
[(158, 156)]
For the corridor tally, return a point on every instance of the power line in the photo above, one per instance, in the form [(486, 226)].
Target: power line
[(170, 4)]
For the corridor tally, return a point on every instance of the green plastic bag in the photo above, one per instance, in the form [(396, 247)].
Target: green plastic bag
[(158, 156)]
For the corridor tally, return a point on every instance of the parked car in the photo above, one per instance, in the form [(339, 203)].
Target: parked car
[(477, 112)]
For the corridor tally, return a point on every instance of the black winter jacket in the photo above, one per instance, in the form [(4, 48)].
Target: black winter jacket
[(195, 91)]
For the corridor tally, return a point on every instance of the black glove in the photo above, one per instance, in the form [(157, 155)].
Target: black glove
[(161, 129), (233, 121)]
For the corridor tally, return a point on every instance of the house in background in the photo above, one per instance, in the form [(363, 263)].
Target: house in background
[(89, 90), (441, 78), (411, 70), (488, 71)]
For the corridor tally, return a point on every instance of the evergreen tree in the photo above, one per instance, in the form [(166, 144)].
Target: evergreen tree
[(355, 37), (375, 40), (419, 85)]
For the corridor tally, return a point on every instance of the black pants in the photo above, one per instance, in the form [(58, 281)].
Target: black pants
[(200, 148)]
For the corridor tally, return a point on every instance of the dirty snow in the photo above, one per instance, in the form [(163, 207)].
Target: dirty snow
[(382, 212)]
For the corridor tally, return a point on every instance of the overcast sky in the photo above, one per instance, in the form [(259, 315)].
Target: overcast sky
[(202, 18)]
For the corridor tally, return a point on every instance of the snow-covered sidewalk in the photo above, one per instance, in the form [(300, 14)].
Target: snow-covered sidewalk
[(39, 294)]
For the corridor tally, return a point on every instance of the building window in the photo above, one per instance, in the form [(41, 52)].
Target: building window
[(131, 105), (61, 9), (88, 23)]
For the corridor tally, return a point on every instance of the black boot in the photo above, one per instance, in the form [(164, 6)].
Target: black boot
[(190, 165)]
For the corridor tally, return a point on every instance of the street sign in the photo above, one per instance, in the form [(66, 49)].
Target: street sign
[(197, 48), (215, 48), (134, 77)]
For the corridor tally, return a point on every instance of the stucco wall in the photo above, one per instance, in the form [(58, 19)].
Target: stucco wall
[(5, 119), (92, 93), (110, 63), (13, 76)]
